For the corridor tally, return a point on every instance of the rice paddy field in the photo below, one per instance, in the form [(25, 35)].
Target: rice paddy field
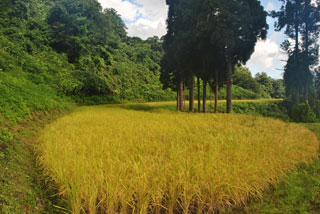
[(117, 159)]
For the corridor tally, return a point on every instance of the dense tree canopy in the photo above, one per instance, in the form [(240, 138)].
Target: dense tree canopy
[(215, 35), (101, 59), (300, 19), (81, 50)]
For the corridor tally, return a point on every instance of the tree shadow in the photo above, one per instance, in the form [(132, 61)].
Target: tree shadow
[(149, 107)]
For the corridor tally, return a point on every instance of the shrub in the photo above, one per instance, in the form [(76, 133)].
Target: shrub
[(303, 113), (239, 93)]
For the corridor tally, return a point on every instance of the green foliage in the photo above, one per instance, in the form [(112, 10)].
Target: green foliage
[(265, 81), (315, 105), (278, 89), (303, 113), (261, 84), (23, 188), (37, 74), (239, 93), (20, 97), (300, 20), (266, 109), (6, 138), (243, 78)]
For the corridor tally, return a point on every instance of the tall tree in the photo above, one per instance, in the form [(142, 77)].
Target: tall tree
[(222, 31), (235, 27), (310, 29), (300, 18)]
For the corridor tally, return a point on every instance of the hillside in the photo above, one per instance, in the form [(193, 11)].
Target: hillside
[(70, 51), (81, 52), (58, 55)]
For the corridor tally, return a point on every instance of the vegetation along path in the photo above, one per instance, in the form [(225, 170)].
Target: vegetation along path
[(23, 187)]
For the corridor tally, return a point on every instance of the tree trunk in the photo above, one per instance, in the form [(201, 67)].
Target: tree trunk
[(297, 42), (191, 94), (216, 93), (210, 95), (204, 96), (229, 87), (297, 101), (308, 62), (178, 98), (181, 95), (198, 88), (184, 98), (306, 93)]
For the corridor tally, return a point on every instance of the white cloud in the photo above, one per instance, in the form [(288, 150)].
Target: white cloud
[(126, 9), (270, 6), (265, 53), (145, 18), (268, 57)]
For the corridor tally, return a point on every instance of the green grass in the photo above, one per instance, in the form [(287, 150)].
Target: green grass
[(20, 97), (22, 184)]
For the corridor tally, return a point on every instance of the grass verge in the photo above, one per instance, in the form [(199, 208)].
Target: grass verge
[(22, 185)]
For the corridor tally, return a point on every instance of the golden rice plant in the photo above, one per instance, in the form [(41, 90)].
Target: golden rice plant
[(108, 159)]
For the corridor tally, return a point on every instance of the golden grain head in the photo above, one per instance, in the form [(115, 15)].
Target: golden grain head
[(108, 159)]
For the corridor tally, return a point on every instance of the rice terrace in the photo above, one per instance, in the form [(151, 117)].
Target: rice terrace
[(159, 107), (110, 159)]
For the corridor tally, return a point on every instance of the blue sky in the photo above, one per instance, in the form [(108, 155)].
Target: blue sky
[(268, 57), (145, 18)]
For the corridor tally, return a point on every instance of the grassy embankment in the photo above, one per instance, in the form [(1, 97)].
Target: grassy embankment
[(110, 158), (21, 187)]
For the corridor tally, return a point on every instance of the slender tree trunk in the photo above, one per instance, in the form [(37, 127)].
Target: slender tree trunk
[(184, 98), (307, 40), (204, 107), (216, 93), (181, 95), (178, 98), (198, 88), (306, 93), (308, 63), (191, 94), (210, 95), (229, 87), (297, 42), (297, 98)]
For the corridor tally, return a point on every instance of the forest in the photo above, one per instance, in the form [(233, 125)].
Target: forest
[(82, 52), (80, 98)]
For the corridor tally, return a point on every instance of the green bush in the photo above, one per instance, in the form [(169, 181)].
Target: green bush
[(19, 97), (6, 139), (315, 105), (265, 109), (239, 93), (303, 113)]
